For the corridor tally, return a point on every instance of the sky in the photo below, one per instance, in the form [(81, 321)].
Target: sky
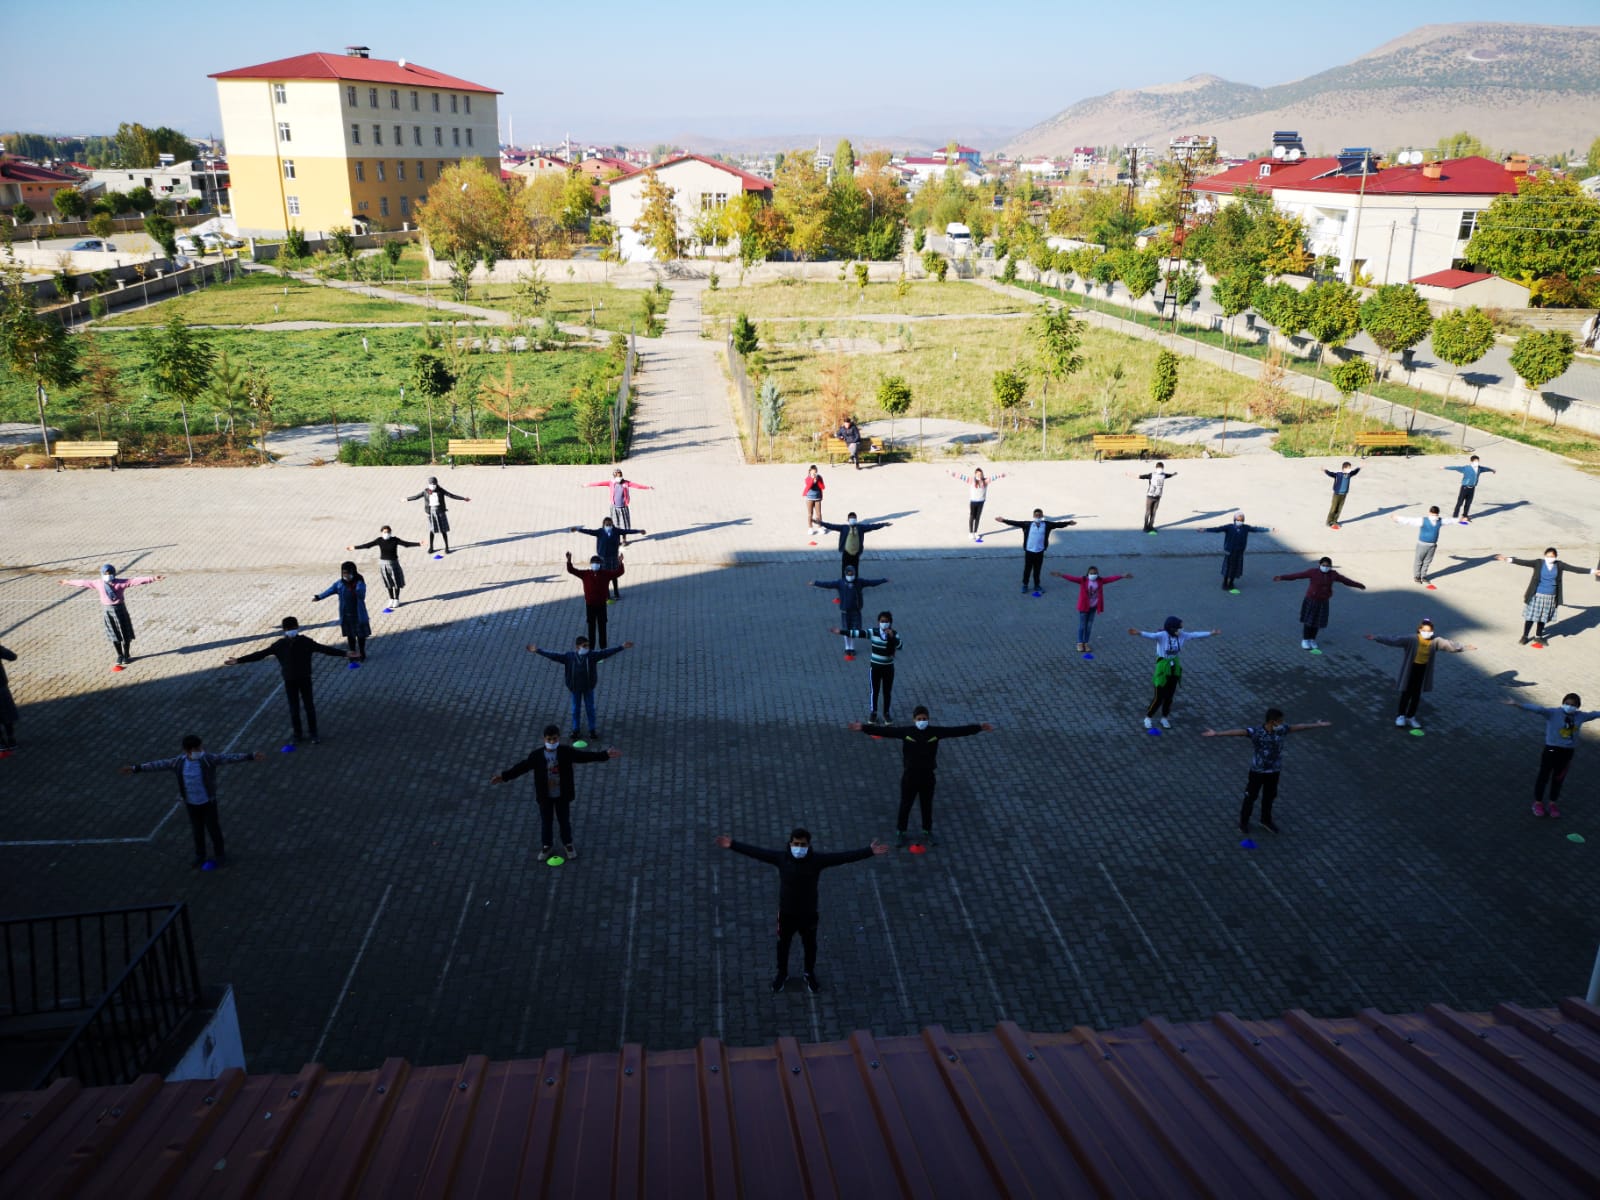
[(638, 72)]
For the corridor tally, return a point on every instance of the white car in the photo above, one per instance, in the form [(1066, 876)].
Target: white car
[(217, 241)]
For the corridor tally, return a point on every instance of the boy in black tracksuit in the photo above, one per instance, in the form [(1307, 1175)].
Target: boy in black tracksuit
[(1035, 541), (884, 642), (919, 749), (196, 769), (552, 763), (798, 868), (853, 539), (293, 653)]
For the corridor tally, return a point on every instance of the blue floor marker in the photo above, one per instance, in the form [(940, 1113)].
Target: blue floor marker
[(288, 748), (1036, 595), (388, 610), (1088, 658), (210, 864), (1153, 732), (437, 556), (1247, 844), (353, 665)]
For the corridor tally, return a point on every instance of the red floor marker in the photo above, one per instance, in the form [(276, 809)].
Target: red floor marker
[(918, 848)]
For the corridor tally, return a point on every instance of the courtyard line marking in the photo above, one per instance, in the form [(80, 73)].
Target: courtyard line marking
[(1223, 925), (983, 959), (627, 963), (176, 804), (894, 957), (1139, 925), (444, 972), (1312, 934), (538, 961), (1482, 939), (322, 1039), (719, 1005), (1083, 986)]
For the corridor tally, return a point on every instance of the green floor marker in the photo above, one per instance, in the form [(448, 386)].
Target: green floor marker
[(1575, 837), (1316, 652), (1233, 591), (576, 745), (1416, 732), (555, 860)]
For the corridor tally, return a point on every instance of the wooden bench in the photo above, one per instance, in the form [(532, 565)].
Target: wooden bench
[(65, 450), (839, 448), (476, 448), (1383, 439), (1120, 443)]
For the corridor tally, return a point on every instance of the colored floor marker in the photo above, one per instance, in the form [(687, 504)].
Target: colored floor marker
[(555, 860), (578, 744), (210, 864), (1153, 732), (353, 665), (117, 667), (1151, 532), (1418, 733), (1247, 844), (1233, 591), (1088, 658), (836, 599), (918, 848), (1314, 650), (1575, 837), (979, 541), (1036, 595), (437, 556), (1431, 587), (5, 753), (388, 610), (1463, 522), (288, 748)]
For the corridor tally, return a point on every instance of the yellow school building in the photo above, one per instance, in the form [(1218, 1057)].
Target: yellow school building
[(323, 141)]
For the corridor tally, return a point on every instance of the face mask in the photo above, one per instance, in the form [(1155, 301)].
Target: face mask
[(291, 633), (922, 722), (194, 755), (1094, 575), (1238, 521), (849, 576), (108, 578), (348, 578), (852, 520), (883, 627), (608, 527), (1424, 634), (1569, 708), (1324, 570), (594, 566), (799, 851), (583, 649), (552, 745), (1547, 559)]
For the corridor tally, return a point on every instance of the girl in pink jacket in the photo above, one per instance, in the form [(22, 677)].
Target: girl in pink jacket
[(113, 612), (1091, 599), (811, 490)]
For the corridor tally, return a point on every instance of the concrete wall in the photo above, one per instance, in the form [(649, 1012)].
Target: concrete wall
[(643, 274)]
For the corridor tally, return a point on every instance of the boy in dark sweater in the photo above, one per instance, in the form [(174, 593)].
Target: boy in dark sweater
[(849, 586), (1341, 491), (579, 666), (293, 653), (853, 539), (919, 751), (884, 642), (196, 769), (552, 765), (798, 868), (595, 581), (394, 576), (608, 543)]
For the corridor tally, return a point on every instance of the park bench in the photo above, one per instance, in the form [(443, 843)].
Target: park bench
[(65, 450), (1383, 439), (839, 448), (476, 448), (1120, 443)]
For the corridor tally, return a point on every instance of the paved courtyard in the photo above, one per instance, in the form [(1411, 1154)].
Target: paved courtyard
[(382, 899)]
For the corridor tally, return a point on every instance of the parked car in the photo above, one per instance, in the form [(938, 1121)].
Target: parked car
[(94, 244), (216, 241), (189, 244)]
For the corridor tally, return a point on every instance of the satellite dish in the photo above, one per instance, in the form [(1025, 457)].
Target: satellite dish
[(1278, 152), (1293, 155)]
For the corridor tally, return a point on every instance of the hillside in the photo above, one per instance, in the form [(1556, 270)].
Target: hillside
[(1534, 88)]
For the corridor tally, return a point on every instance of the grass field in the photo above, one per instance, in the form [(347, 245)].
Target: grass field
[(950, 365), (841, 300), (614, 309), (259, 299)]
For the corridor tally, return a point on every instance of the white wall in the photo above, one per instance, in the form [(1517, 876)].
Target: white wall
[(218, 1047), (689, 181)]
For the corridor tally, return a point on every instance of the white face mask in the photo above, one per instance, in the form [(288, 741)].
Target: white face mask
[(849, 576), (799, 851), (583, 649), (552, 745), (194, 755), (1549, 560), (1324, 570), (883, 627), (852, 520), (922, 722), (1094, 575), (1569, 708), (1424, 634), (594, 566), (291, 633)]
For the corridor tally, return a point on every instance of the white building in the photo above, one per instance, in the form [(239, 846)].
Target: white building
[(1083, 157), (1391, 224), (177, 182), (698, 185)]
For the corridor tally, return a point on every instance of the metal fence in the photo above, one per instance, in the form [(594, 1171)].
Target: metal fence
[(749, 402), (620, 410)]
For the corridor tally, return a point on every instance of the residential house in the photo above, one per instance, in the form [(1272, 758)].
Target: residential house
[(1042, 167), (698, 185), (26, 183), (1083, 157), (603, 168), (177, 181), (1452, 288), (320, 141), (539, 164), (1386, 223)]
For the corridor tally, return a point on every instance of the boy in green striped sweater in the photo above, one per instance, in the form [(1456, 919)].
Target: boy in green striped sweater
[(884, 642)]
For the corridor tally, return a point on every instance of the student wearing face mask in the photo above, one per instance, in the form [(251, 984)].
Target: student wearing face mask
[(394, 576), (1319, 594), (1091, 600), (1470, 474), (919, 764), (811, 492), (196, 769), (580, 665), (622, 501), (1543, 595), (1155, 483), (433, 497), (884, 642), (852, 539), (293, 653), (977, 493), (608, 543), (798, 868), (1170, 640), (1341, 491), (1235, 539), (1266, 762), (1561, 726), (1418, 652), (115, 621), (595, 581), (551, 765), (1427, 543), (1035, 541), (850, 587), (353, 624)]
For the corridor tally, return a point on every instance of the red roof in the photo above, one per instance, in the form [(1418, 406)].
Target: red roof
[(1472, 176), (1440, 1103), (1452, 278), (26, 172), (318, 65), (752, 183)]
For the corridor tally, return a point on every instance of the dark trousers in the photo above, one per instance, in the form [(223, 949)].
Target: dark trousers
[(1553, 766), (882, 678), (550, 811), (1463, 506), (299, 692), (1032, 564), (1151, 503), (916, 785), (1309, 632), (595, 614), (1265, 785), (1411, 693), (1163, 698), (203, 820), (1337, 507), (848, 562), (806, 927), (974, 511)]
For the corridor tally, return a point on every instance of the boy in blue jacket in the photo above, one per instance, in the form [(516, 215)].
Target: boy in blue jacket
[(196, 769), (579, 666)]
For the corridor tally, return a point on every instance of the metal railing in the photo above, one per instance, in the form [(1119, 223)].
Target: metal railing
[(130, 972)]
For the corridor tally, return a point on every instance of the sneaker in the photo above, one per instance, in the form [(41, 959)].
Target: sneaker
[(1268, 825), (593, 733), (927, 837), (872, 717), (813, 984), (1148, 723), (573, 736), (200, 862), (900, 838), (572, 851), (1538, 808), (887, 719), (1166, 724), (1553, 810), (1413, 722), (1080, 647), (1305, 643), (780, 982), (1024, 589), (1315, 649), (544, 853), (1399, 722), (1522, 641)]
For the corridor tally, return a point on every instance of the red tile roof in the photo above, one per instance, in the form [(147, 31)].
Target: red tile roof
[(1439, 1103), (319, 65), (26, 172), (752, 183), (1471, 176), (1452, 278)]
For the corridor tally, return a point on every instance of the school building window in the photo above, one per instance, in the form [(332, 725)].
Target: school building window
[(294, 205), (405, 206), (361, 171), (435, 96), (372, 97), (361, 206), (283, 131), (394, 97), (377, 135), (288, 168), (466, 103), (1468, 226), (383, 206), (453, 107), (350, 95), (416, 102), (455, 137), (380, 170), (400, 170), (469, 137), (438, 135), (416, 135), (280, 94), (422, 171)]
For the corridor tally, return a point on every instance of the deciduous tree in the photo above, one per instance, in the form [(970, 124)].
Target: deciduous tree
[(657, 225), (468, 209), (1550, 227), (1164, 381), (800, 194), (181, 364), (1010, 390), (70, 204), (1396, 317), (1057, 336), (34, 348), (1333, 318), (1461, 338), (1537, 358), (894, 397)]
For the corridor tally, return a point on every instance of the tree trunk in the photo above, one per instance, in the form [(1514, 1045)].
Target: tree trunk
[(44, 431), (183, 411)]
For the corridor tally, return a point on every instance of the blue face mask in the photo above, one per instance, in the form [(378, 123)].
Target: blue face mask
[(799, 851)]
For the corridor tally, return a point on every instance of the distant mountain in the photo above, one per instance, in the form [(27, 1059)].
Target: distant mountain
[(1533, 88)]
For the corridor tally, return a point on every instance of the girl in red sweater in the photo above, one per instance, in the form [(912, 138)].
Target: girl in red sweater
[(1091, 600), (811, 490)]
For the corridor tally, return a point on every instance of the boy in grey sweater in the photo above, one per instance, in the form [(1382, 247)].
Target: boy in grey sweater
[(196, 769), (1561, 727)]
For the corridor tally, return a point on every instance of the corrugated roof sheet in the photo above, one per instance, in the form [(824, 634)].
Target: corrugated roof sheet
[(318, 65), (1440, 1103), (1470, 176)]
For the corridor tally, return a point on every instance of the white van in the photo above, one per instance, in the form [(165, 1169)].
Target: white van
[(958, 234)]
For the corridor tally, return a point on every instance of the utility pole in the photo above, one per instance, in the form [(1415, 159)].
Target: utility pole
[(1355, 237), (1133, 177)]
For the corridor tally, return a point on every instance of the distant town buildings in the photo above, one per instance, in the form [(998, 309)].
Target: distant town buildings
[(25, 183), (320, 141)]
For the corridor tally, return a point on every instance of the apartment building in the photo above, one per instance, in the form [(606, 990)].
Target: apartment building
[(319, 141)]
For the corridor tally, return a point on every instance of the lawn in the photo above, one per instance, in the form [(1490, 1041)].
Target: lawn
[(950, 365), (793, 298), (615, 309), (317, 375), (258, 299)]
